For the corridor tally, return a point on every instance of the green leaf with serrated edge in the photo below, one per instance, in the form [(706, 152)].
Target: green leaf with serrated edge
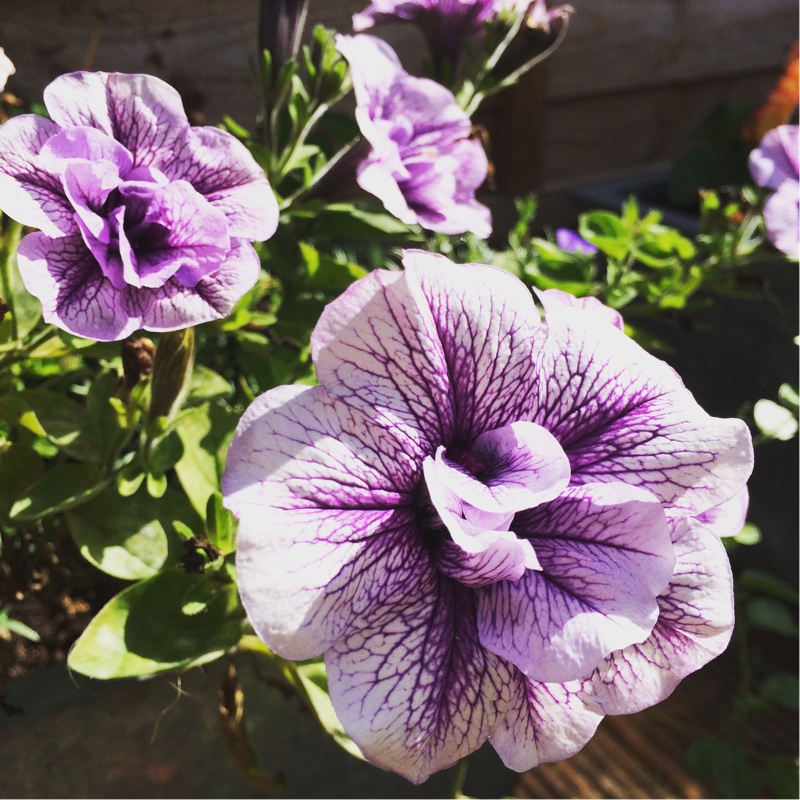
[(205, 433), (315, 685), (120, 535), (206, 384), (144, 631), (20, 467), (62, 487)]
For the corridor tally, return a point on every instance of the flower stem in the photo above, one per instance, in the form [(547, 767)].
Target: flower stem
[(461, 776)]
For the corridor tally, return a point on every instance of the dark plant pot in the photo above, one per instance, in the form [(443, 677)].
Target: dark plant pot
[(162, 738)]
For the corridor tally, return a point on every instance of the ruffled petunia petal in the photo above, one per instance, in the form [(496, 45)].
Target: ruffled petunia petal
[(622, 415), (411, 683), (142, 112), (605, 555), (29, 192), (75, 295), (694, 626), (545, 722), (174, 306), (221, 168)]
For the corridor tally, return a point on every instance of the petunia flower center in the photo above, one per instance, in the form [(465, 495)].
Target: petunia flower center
[(142, 228), (474, 495)]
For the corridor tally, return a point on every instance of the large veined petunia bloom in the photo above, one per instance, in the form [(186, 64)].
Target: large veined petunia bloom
[(775, 164), (486, 520), (145, 221), (422, 164)]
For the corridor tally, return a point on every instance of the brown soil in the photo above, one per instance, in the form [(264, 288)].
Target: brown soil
[(52, 589)]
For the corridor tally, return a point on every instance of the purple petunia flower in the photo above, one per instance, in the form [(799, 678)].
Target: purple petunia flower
[(774, 165), (423, 166), (145, 221), (448, 24), (556, 301), (571, 242), (487, 523)]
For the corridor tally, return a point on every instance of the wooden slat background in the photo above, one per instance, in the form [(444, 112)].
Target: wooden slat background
[(623, 92)]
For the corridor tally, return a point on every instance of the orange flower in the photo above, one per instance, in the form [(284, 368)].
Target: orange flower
[(781, 103)]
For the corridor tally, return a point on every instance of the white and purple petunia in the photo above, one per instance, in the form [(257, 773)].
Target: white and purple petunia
[(775, 164), (422, 164), (486, 520), (7, 68), (145, 221)]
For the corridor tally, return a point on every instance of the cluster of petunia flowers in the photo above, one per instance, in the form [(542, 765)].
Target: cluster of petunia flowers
[(496, 519), (145, 221)]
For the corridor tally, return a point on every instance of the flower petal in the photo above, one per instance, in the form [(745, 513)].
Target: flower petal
[(605, 555), (782, 218), (694, 625), (411, 683), (376, 347), (332, 535), (75, 295), (486, 336), (173, 306), (29, 192), (142, 112), (622, 415), (221, 168), (545, 722)]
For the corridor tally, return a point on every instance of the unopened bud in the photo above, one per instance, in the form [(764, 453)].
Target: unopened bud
[(172, 371), (137, 360)]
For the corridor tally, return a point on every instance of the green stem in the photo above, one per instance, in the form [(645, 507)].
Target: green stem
[(24, 352), (10, 242), (458, 782)]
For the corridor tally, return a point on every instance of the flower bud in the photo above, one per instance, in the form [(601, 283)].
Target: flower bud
[(137, 360), (172, 371)]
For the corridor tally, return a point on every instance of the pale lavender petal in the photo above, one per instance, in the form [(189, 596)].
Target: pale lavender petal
[(173, 306), (605, 554), (487, 338), (623, 415), (410, 682), (376, 346), (221, 168), (728, 518), (29, 193), (525, 465), (83, 144), (74, 293), (782, 218), (142, 112), (558, 303), (776, 158), (545, 722), (334, 533), (694, 626), (88, 185)]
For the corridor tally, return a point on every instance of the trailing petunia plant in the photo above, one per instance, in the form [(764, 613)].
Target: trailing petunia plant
[(287, 391)]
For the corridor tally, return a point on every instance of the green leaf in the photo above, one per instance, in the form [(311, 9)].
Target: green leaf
[(774, 421), (49, 415), (315, 685), (346, 221), (766, 583), (62, 487), (144, 630), (206, 385), (25, 308), (771, 615), (20, 467), (782, 777), (749, 534), (727, 765), (326, 274), (220, 525), (782, 689), (120, 535), (205, 433)]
